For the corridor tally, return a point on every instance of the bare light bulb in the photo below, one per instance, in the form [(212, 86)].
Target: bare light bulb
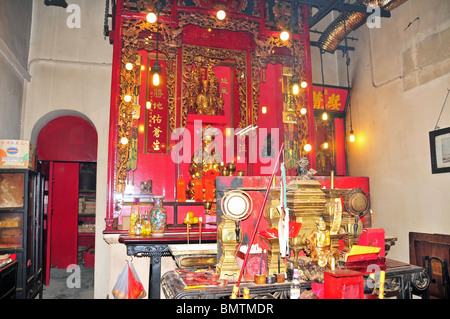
[(221, 14), (325, 145), (352, 136), (264, 110), (124, 140), (129, 66), (304, 84), (127, 98), (307, 147), (156, 79), (284, 36), (148, 105), (295, 89), (151, 17), (303, 111), (324, 116)]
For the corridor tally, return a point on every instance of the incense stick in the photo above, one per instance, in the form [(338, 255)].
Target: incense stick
[(259, 217), (260, 264)]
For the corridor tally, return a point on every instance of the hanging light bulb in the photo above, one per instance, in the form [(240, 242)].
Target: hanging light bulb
[(352, 136), (295, 84), (324, 116), (295, 89), (156, 69), (284, 36), (151, 17), (221, 14)]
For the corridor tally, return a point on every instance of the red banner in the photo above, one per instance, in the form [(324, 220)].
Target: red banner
[(156, 114), (335, 98)]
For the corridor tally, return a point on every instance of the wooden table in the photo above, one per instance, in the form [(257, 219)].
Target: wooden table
[(157, 247), (405, 279)]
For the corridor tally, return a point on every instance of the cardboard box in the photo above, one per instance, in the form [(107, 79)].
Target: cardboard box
[(17, 154), (125, 223)]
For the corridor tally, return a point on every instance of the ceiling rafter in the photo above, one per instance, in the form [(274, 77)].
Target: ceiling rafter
[(326, 6)]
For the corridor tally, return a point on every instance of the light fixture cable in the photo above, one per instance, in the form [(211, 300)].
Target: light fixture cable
[(156, 69), (324, 115), (347, 62), (436, 127)]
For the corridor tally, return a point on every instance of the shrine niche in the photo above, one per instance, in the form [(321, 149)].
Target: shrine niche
[(212, 70), (204, 96), (201, 92)]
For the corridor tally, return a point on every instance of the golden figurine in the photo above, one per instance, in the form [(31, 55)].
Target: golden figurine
[(204, 100), (204, 95), (320, 245)]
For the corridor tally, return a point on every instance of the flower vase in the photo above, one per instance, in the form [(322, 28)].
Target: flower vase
[(158, 217)]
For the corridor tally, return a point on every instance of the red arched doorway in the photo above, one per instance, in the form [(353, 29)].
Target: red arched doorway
[(65, 146)]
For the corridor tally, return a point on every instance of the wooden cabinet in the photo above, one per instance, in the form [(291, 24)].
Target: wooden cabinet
[(8, 275), (21, 221)]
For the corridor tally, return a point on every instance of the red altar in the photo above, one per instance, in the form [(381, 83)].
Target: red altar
[(154, 130)]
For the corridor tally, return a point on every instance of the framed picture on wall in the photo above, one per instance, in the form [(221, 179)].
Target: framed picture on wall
[(440, 150)]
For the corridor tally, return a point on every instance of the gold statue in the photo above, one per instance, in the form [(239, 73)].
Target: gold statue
[(320, 245), (206, 160), (204, 95), (204, 100)]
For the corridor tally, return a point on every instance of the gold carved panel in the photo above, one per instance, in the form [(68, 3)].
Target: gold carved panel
[(195, 57)]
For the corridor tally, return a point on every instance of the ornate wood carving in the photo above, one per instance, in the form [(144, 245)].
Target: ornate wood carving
[(194, 57), (208, 21), (132, 43)]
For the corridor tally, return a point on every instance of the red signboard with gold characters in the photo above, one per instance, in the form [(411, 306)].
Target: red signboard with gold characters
[(335, 98), (156, 115)]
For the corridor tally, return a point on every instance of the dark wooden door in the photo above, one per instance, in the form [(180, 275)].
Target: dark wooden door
[(64, 224)]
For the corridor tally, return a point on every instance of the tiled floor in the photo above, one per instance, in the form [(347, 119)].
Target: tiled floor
[(75, 283)]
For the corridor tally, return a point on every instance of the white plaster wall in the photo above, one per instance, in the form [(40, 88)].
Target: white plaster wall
[(15, 24), (400, 79), (71, 75), (330, 61), (11, 91)]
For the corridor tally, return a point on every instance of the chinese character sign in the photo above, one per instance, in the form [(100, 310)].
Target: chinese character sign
[(335, 98), (157, 115)]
